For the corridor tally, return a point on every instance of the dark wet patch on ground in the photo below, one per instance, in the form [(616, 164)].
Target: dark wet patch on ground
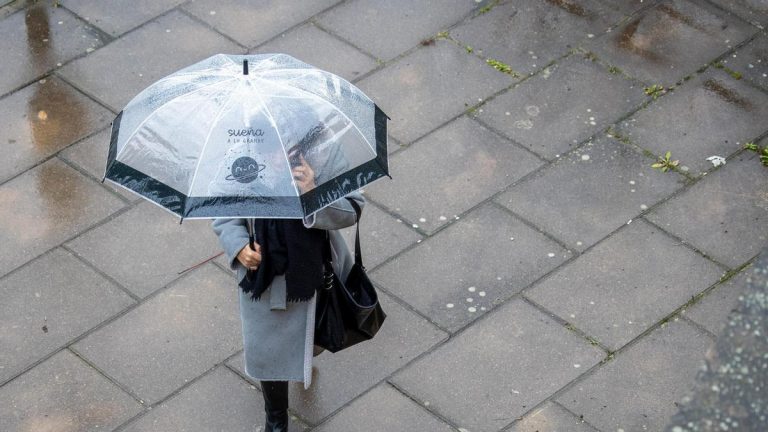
[(730, 96), (569, 7)]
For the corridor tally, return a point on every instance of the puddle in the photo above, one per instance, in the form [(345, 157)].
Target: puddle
[(630, 41), (730, 96)]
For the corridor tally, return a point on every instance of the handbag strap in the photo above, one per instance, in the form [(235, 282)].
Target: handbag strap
[(358, 253)]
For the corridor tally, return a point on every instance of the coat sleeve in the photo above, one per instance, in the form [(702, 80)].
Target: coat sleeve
[(338, 215), (233, 236)]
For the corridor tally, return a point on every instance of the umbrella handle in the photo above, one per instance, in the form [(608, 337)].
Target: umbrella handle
[(251, 240)]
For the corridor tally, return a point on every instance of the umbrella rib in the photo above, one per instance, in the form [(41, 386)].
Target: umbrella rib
[(161, 107), (207, 139), (297, 90), (277, 132)]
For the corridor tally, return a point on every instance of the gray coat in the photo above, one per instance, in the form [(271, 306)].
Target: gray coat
[(278, 335)]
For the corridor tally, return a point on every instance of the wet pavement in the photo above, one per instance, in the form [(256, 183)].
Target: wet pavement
[(538, 273)]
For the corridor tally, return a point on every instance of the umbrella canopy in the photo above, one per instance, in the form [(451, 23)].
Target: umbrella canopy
[(221, 138)]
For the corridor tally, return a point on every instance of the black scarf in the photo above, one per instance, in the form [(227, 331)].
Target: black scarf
[(290, 248)]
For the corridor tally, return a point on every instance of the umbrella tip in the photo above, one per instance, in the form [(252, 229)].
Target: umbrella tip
[(245, 67)]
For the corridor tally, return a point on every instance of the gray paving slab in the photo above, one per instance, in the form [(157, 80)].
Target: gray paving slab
[(462, 272), (35, 40), (640, 389), (337, 378), (119, 16), (45, 206), (670, 40), (219, 401), (498, 369), (450, 171), (389, 28), (145, 248), (177, 41), (381, 236), (754, 11), (528, 34), (564, 105), (384, 409), (41, 119), (171, 338), (625, 284), (718, 215), (252, 22), (64, 394), (629, 7), (592, 191), (751, 61), (712, 114), (90, 155), (551, 417), (712, 310), (406, 89), (48, 303), (312, 45)]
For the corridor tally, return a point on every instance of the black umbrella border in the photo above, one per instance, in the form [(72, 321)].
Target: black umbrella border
[(184, 206)]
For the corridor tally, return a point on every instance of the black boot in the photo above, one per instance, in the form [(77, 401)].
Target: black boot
[(275, 405)]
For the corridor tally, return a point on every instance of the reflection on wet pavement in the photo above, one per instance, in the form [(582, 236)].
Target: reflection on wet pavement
[(41, 119), (44, 207), (53, 36)]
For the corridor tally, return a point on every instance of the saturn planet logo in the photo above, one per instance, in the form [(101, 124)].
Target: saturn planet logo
[(245, 170)]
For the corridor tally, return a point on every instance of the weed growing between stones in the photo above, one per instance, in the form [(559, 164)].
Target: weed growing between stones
[(763, 153), (655, 90), (500, 66), (731, 72), (665, 163)]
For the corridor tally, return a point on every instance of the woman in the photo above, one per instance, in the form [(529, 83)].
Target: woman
[(278, 330)]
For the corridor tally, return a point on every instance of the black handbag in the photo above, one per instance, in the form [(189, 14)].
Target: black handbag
[(347, 313)]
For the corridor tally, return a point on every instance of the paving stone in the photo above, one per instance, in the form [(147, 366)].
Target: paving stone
[(712, 114), (316, 47), (551, 417), (529, 34), (722, 215), (145, 248), (625, 284), (149, 349), (340, 377), (118, 16), (35, 40), (499, 368), (592, 191), (751, 61), (64, 394), (40, 120), (754, 11), (670, 40), (474, 259), (384, 409), (219, 401), (388, 28), (381, 236), (712, 311), (450, 171), (569, 102), (429, 87), (48, 303), (640, 389), (45, 206), (177, 41), (253, 22), (628, 7)]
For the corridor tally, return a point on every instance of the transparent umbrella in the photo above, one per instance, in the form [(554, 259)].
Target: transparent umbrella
[(226, 136)]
